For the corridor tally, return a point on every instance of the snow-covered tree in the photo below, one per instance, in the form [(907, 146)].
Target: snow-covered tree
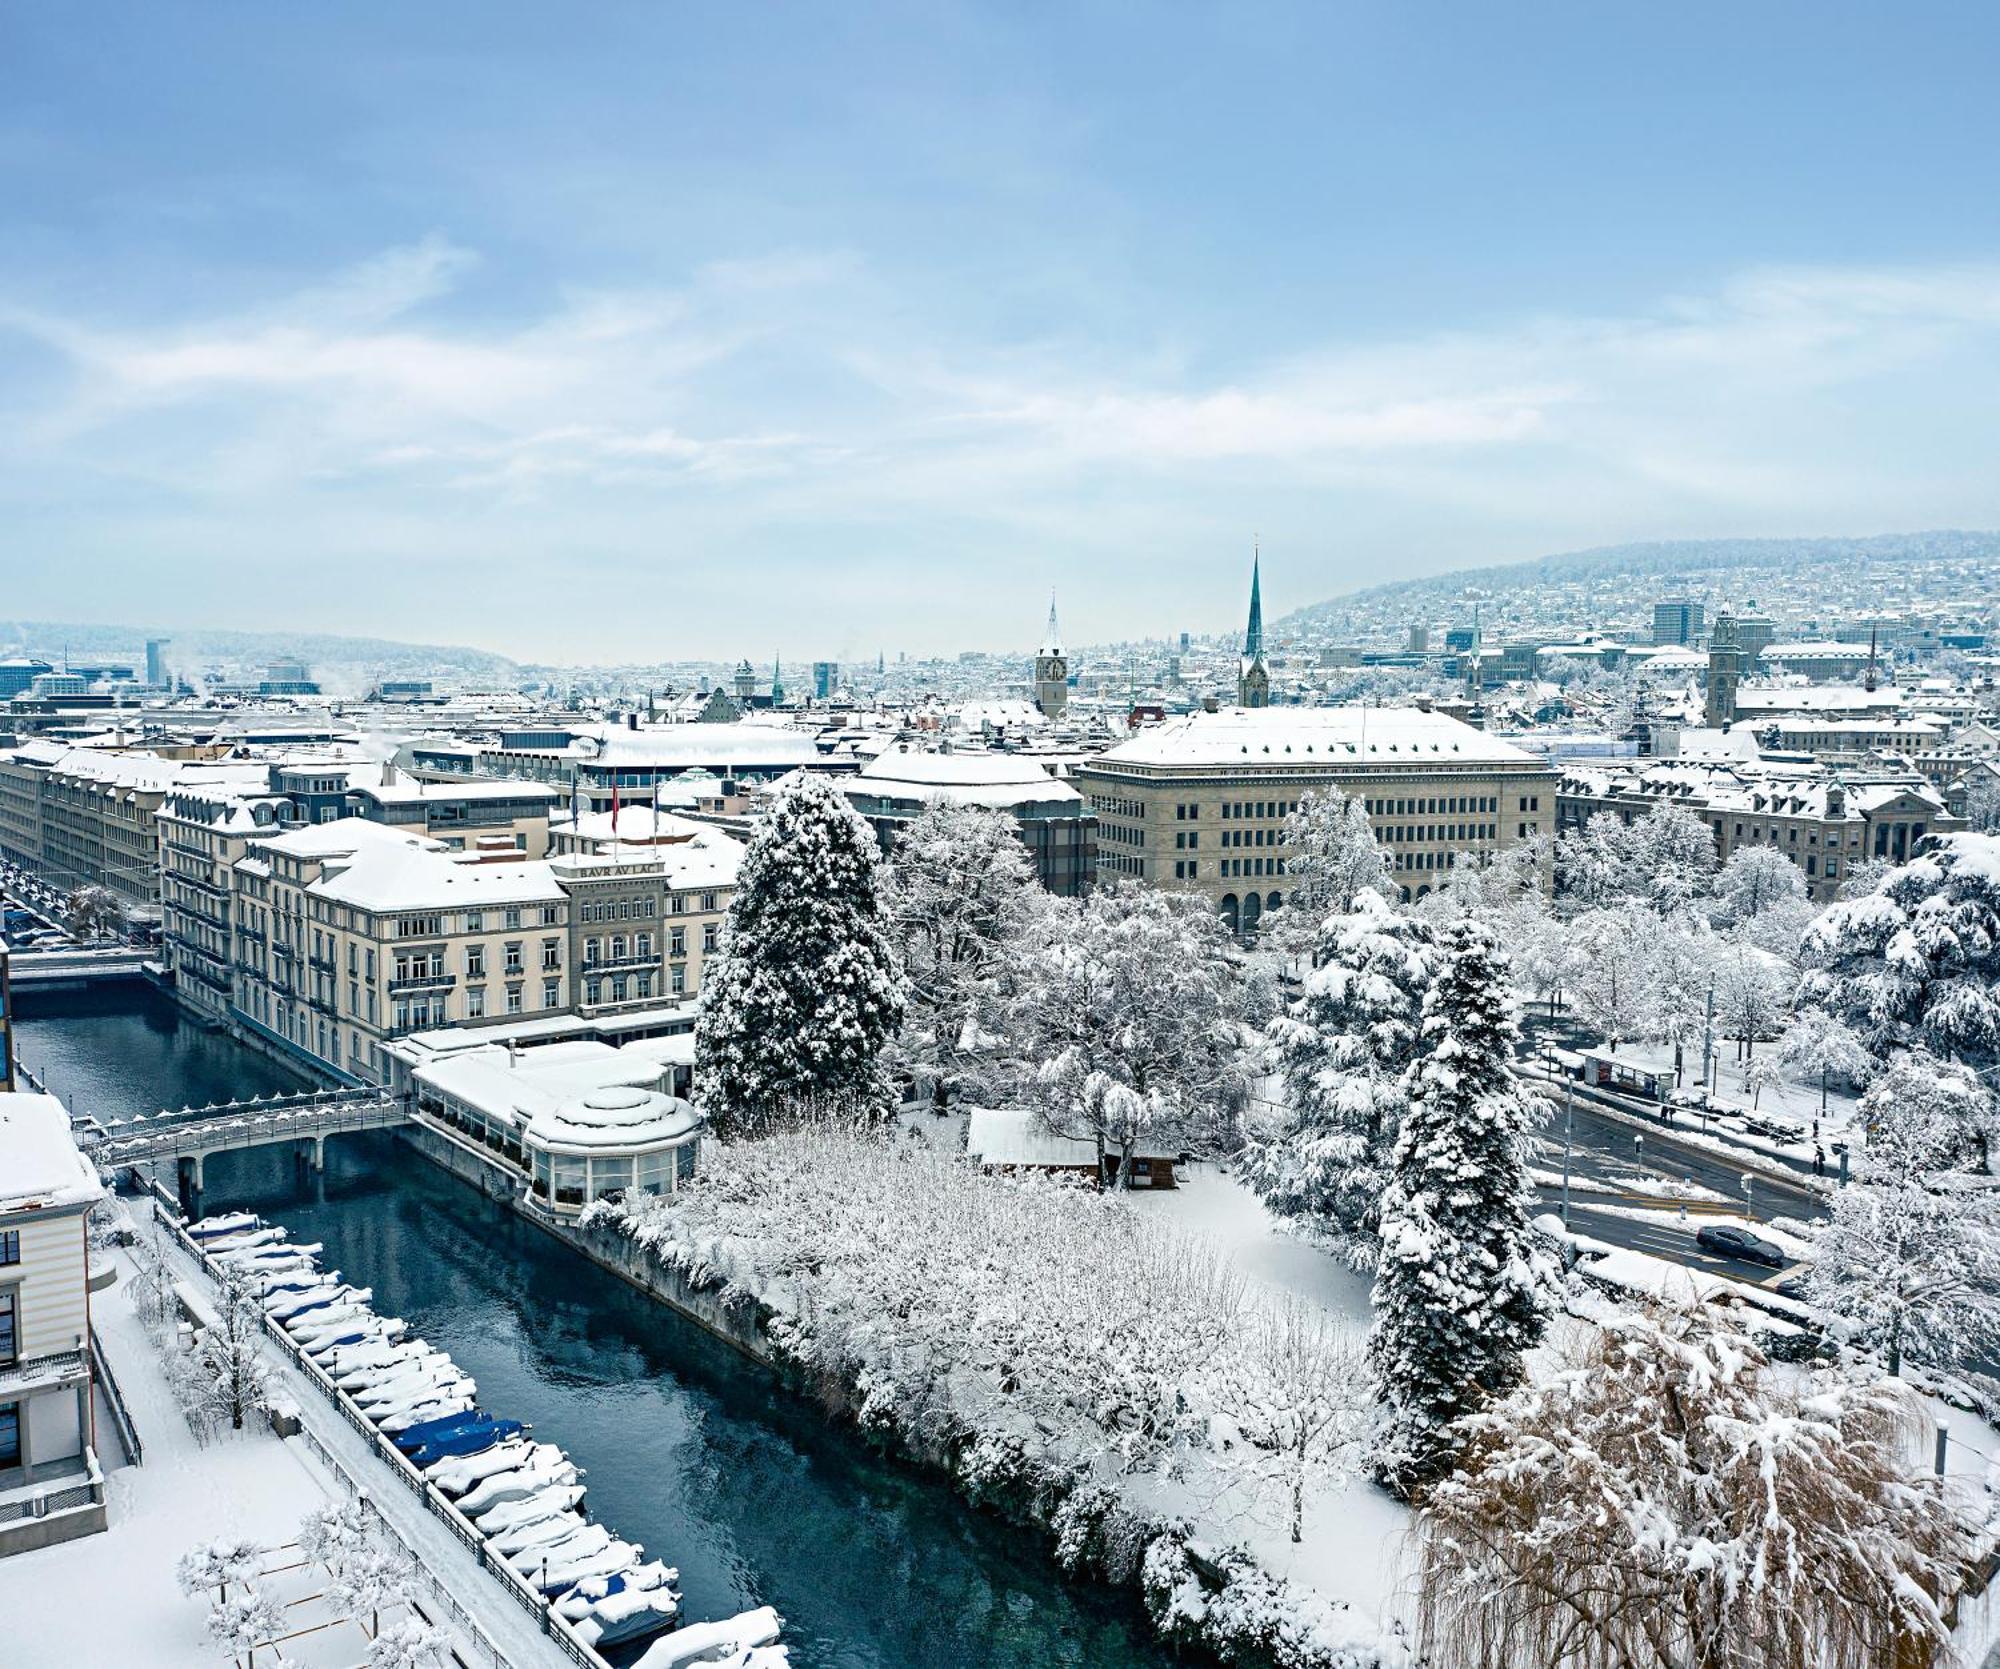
[(1665, 1500), (222, 1379), (1546, 957), (1670, 857), (370, 1580), (1678, 985), (1611, 988), (410, 1643), (1126, 1025), (1334, 858), (1503, 889), (214, 1567), (1345, 1047), (795, 1013), (245, 1621), (1592, 868), (1916, 962), (1458, 1292), (94, 912), (333, 1533), (958, 893), (1982, 800), (1309, 1405), (1924, 1115), (1754, 879), (1752, 988), (1818, 1048), (1914, 1262)]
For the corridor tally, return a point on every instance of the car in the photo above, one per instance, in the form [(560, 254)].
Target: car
[(1726, 1240), (1793, 1286)]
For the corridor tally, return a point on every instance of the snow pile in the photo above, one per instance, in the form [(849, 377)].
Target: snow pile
[(1073, 1363)]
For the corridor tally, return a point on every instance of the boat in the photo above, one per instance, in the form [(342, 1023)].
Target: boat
[(708, 1642), (542, 1534), (352, 1335), (245, 1239), (355, 1328), (278, 1305), (467, 1440), (507, 1472), (277, 1252), (453, 1399), (214, 1228), (296, 1317), (582, 1541), (627, 1616), (328, 1319), (639, 1578), (608, 1560), (396, 1363), (406, 1377), (410, 1436), (372, 1353), (299, 1277), (544, 1503)]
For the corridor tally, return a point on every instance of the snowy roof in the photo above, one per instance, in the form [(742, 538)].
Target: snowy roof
[(691, 853), (760, 746), (614, 1118), (988, 779), (1017, 1136), (520, 1084), (1002, 713), (425, 877), (1312, 735), (40, 1166)]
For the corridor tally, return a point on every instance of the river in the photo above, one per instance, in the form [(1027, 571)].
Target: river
[(688, 1448)]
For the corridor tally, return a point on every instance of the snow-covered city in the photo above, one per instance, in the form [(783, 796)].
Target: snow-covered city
[(999, 838)]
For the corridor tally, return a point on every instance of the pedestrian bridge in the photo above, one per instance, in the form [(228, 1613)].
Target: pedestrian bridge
[(191, 1134)]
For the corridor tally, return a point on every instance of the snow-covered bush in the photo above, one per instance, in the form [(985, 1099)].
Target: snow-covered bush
[(1665, 1499), (245, 1621), (214, 1567), (1222, 1603), (334, 1533), (370, 1580), (1026, 1329), (804, 994), (410, 1643)]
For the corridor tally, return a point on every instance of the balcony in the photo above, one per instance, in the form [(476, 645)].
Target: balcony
[(422, 982), (615, 964), (41, 1373), (325, 964)]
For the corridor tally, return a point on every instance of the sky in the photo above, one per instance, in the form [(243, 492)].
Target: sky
[(639, 331)]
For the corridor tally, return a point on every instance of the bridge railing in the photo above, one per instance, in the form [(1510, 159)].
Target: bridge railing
[(217, 1135)]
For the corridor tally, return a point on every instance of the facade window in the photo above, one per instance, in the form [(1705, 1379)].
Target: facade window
[(514, 958), (475, 962), (551, 955), (677, 942), (10, 1434), (513, 999), (708, 902), (592, 950), (593, 992), (645, 985), (474, 922), (549, 911), (677, 978), (618, 986), (475, 1003), (551, 990), (642, 946), (708, 940), (511, 920)]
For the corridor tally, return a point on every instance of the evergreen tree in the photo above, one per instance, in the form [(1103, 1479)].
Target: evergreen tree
[(1345, 1047), (1458, 1292), (805, 994), (1335, 857)]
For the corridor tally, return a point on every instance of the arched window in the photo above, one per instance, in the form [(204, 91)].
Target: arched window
[(1253, 913), (1273, 901), (1230, 918)]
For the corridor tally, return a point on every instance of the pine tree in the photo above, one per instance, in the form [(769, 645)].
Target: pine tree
[(1458, 1291), (1345, 1047), (795, 1015)]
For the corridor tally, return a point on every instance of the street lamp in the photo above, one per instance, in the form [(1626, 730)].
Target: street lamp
[(1569, 1122), (1750, 1196)]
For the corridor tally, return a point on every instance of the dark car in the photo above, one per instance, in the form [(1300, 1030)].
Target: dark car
[(1725, 1240)]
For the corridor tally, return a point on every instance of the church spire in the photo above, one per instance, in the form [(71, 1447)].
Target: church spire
[(1052, 638), (1253, 639)]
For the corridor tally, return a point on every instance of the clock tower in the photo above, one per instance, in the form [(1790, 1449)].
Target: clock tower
[(1052, 669)]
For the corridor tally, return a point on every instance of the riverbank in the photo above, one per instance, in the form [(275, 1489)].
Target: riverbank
[(687, 1446)]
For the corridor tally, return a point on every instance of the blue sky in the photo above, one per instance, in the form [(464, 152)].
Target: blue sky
[(626, 331)]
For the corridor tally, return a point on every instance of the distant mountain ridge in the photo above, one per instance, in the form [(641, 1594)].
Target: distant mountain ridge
[(1662, 560), (194, 650)]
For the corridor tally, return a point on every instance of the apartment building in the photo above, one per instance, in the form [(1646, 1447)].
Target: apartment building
[(1824, 823), (1199, 803), (50, 1486), (202, 835)]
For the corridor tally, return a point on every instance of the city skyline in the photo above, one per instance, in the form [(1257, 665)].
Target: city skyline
[(812, 335)]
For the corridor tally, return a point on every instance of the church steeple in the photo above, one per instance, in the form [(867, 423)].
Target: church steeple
[(1052, 669), (1253, 639), (1253, 682), (777, 685)]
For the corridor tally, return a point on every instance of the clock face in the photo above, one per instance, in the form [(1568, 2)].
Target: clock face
[(1056, 666)]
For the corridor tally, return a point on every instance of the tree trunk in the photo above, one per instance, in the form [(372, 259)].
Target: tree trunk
[(1125, 1149)]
